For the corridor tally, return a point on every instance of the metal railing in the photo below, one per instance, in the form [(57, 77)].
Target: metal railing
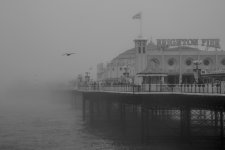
[(173, 88)]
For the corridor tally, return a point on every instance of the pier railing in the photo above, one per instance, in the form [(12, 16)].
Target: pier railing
[(178, 88)]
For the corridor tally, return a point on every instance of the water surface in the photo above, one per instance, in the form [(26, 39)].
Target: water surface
[(44, 121)]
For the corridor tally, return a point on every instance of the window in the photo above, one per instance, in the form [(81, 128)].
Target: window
[(138, 43), (139, 50), (188, 62), (154, 63), (223, 61), (206, 62), (143, 49), (171, 62)]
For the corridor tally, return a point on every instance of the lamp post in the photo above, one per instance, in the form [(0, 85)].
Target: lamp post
[(196, 69), (79, 78), (126, 73), (87, 77)]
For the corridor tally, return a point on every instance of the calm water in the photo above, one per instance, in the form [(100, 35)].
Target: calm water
[(44, 121)]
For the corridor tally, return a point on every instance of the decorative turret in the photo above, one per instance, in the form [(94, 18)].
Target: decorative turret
[(141, 48)]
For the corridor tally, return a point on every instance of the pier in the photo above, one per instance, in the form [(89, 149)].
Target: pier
[(188, 114)]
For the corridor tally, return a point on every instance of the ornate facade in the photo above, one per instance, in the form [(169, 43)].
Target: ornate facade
[(154, 64)]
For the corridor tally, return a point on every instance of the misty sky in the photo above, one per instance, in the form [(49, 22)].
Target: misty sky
[(35, 33)]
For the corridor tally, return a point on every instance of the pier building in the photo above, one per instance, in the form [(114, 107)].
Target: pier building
[(164, 61)]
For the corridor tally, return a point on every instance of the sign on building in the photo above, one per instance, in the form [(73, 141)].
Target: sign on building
[(166, 43)]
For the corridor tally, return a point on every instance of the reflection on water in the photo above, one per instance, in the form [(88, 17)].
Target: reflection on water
[(52, 121), (44, 121)]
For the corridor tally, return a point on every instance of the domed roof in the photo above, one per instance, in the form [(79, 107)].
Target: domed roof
[(186, 48), (152, 46), (127, 54)]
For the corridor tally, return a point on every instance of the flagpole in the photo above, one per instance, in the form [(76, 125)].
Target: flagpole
[(140, 26), (139, 16)]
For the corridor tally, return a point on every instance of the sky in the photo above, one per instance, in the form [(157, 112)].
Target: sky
[(35, 33)]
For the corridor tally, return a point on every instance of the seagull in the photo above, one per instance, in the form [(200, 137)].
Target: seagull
[(68, 54)]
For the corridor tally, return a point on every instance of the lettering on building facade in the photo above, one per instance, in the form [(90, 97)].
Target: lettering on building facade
[(166, 43)]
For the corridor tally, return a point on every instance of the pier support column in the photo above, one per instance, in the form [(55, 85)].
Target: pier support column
[(91, 111), (144, 123), (211, 118), (84, 109), (123, 117), (221, 129), (148, 114), (186, 123), (135, 111), (216, 122), (108, 110), (98, 108), (73, 101)]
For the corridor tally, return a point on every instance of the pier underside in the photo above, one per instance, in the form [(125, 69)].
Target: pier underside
[(150, 118)]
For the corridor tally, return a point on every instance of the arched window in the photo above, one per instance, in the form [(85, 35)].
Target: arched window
[(143, 50), (154, 63), (223, 61), (139, 50)]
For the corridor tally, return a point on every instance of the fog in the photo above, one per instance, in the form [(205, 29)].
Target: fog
[(34, 34)]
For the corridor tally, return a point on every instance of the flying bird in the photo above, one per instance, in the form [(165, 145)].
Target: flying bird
[(68, 54)]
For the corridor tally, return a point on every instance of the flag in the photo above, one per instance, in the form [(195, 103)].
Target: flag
[(137, 16)]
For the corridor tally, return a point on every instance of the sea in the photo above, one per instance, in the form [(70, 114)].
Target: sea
[(44, 120)]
